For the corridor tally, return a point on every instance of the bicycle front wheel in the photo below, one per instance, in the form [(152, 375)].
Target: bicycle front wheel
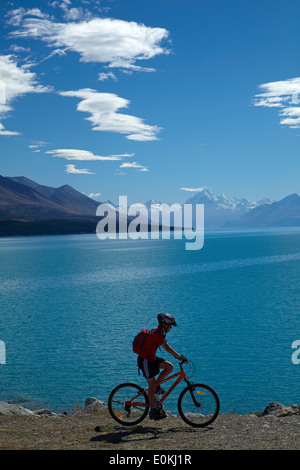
[(128, 404), (198, 405)]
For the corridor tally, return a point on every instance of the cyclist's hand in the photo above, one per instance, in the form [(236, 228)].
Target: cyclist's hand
[(184, 359)]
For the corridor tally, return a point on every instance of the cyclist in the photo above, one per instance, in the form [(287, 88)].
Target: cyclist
[(150, 364)]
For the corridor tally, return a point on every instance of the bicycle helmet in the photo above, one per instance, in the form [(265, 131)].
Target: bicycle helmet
[(166, 318)]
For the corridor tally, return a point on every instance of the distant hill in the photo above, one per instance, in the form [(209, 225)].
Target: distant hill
[(284, 213), (28, 208), (46, 191), (64, 199), (18, 201)]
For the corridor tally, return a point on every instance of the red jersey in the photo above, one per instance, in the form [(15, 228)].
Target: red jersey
[(151, 344)]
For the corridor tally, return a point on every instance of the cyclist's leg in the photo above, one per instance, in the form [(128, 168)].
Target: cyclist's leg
[(167, 368), (155, 412), (151, 392), (150, 370)]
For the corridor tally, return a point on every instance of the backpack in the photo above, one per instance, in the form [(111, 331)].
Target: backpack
[(138, 342)]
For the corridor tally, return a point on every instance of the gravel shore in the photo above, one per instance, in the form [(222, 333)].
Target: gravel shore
[(96, 430)]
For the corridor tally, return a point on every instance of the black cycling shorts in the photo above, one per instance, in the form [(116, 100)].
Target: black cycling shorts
[(149, 368)]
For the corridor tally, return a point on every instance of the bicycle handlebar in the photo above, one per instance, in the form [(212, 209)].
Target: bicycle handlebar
[(183, 359), (181, 363)]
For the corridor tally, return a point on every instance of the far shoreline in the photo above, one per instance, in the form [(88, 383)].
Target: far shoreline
[(55, 227)]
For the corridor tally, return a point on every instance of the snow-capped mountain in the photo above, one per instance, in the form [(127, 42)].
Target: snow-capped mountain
[(218, 210), (225, 202)]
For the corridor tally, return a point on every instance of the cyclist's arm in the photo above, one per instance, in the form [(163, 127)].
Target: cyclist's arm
[(170, 350)]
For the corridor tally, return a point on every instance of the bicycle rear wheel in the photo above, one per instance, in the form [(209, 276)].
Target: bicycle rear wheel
[(128, 404), (198, 405)]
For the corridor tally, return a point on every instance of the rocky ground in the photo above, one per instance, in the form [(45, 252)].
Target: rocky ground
[(92, 428)]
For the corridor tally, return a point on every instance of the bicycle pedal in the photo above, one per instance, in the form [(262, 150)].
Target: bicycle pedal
[(159, 390)]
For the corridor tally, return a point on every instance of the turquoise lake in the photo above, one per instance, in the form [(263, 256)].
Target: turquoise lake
[(71, 305)]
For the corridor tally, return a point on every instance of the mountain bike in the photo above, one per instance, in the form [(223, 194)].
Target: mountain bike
[(198, 404)]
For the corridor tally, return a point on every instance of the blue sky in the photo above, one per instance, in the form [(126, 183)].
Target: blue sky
[(152, 99)]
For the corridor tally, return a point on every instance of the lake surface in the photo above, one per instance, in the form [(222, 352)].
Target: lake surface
[(71, 305)]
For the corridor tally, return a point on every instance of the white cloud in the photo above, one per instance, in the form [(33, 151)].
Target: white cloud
[(293, 120), (36, 145), (193, 189), (284, 94), (104, 76), (16, 16), (93, 195), (292, 111), (15, 81), (131, 165), (271, 101), (15, 48), (134, 165), (74, 13), (103, 108), (281, 88), (75, 154), (71, 169), (4, 132), (59, 52), (116, 43)]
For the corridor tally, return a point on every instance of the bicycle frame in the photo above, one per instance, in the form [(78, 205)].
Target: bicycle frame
[(181, 376)]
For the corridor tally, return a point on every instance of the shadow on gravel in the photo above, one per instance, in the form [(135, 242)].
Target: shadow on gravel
[(139, 433)]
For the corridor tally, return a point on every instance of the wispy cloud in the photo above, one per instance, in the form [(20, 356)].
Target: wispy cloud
[(192, 190), (4, 132), (116, 43), (78, 171), (36, 146), (104, 107), (284, 94), (75, 154), (16, 16), (59, 52), (15, 81), (93, 195), (74, 13), (17, 49), (134, 165), (105, 76)]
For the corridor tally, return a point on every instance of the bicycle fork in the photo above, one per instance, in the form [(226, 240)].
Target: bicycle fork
[(191, 390)]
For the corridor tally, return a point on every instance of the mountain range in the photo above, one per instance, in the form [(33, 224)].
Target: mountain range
[(283, 213), (27, 207), (220, 210), (24, 199)]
